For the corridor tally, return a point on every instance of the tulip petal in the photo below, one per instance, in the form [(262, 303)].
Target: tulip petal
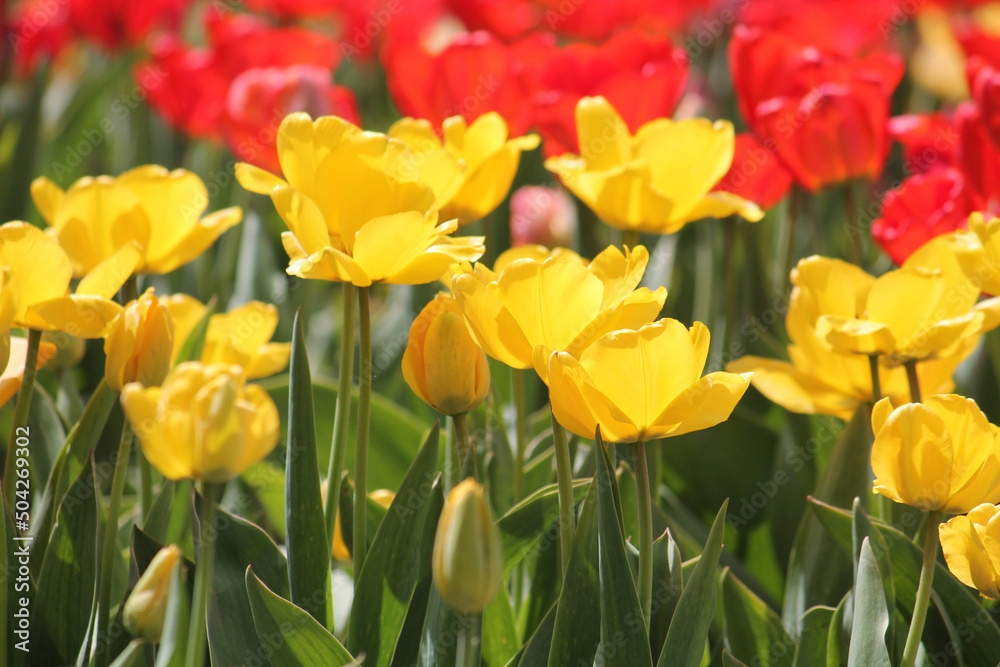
[(40, 268), (329, 264), (793, 389), (10, 379), (857, 336), (186, 311), (48, 198), (707, 402), (269, 360), (912, 458), (603, 135), (142, 408), (880, 413), (256, 179), (492, 325), (197, 239), (108, 276), (435, 261), (639, 308), (723, 204), (960, 549), (80, 315), (303, 218), (580, 407), (620, 272)]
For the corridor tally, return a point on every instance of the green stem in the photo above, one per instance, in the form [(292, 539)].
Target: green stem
[(914, 380), (361, 445), (853, 234), (342, 415), (203, 577), (520, 428), (876, 383), (787, 240), (21, 409), (631, 238), (462, 442), (468, 653), (564, 478), (110, 544), (145, 487), (642, 498), (732, 283), (923, 592)]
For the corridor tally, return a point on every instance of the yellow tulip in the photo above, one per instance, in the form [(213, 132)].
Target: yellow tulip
[(40, 272), (491, 159), (938, 63), (442, 364), (559, 303), (139, 344), (157, 209), (203, 423), (971, 546), (658, 180), (978, 252), (538, 253), (146, 607), (379, 222), (925, 309), (466, 562), (939, 455), (819, 379), (240, 337), (17, 358), (641, 385)]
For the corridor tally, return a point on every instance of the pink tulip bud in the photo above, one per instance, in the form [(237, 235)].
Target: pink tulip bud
[(542, 215)]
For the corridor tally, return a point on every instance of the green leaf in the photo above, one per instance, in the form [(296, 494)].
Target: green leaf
[(21, 170), (978, 636), (439, 636), (307, 547), (66, 585), (668, 584), (15, 589), (47, 436), (232, 637), (265, 481), (813, 634), (838, 638), (173, 642), (729, 661), (536, 649), (531, 525), (158, 519), (861, 528), (817, 575), (624, 637), (871, 617), (398, 561), (500, 641), (754, 632), (132, 654), (294, 636), (685, 642)]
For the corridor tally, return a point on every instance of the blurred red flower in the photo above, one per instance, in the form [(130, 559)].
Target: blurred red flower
[(37, 29), (756, 173), (824, 114), (629, 62), (984, 84), (118, 24), (507, 19)]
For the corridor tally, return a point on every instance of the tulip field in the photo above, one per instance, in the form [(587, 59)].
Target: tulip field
[(501, 333)]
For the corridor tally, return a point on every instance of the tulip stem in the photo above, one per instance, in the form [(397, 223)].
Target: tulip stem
[(342, 415), (564, 477), (853, 232), (914, 380), (469, 649), (876, 384), (923, 591), (203, 576), (462, 443), (110, 544), (360, 538), (631, 238), (21, 409), (520, 431), (642, 497)]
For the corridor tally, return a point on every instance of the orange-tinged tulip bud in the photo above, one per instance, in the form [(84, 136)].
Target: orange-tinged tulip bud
[(139, 344), (146, 606), (971, 546), (443, 364), (203, 423), (939, 455), (466, 563)]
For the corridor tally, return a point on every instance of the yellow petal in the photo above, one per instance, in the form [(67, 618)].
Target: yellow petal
[(269, 360), (185, 311), (580, 407), (537, 253), (436, 260), (912, 458), (793, 389), (723, 204), (707, 402), (493, 327), (329, 264), (603, 135), (40, 268), (639, 308), (141, 406), (620, 272), (197, 239), (856, 336), (256, 179), (83, 316), (108, 276), (48, 198), (303, 218), (880, 413)]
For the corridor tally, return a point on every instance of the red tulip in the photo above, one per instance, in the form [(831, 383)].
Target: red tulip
[(260, 98), (923, 207), (979, 158), (37, 29), (288, 10), (984, 83), (628, 62), (929, 141), (507, 19), (472, 75), (116, 24), (598, 20), (756, 173)]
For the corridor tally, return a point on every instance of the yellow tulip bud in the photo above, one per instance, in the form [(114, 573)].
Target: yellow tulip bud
[(443, 364), (139, 344), (146, 606), (467, 564), (204, 423), (939, 455), (971, 546)]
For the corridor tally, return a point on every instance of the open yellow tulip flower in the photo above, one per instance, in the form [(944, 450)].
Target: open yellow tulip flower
[(978, 252), (641, 385), (442, 364), (560, 303), (939, 455), (158, 209), (240, 337), (658, 180), (491, 159), (971, 546), (819, 379), (39, 271), (926, 309), (361, 208), (203, 423), (139, 344)]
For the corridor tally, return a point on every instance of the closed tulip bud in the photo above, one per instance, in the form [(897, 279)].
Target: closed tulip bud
[(146, 606), (939, 455), (139, 344), (467, 564), (971, 546), (204, 423), (443, 364)]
